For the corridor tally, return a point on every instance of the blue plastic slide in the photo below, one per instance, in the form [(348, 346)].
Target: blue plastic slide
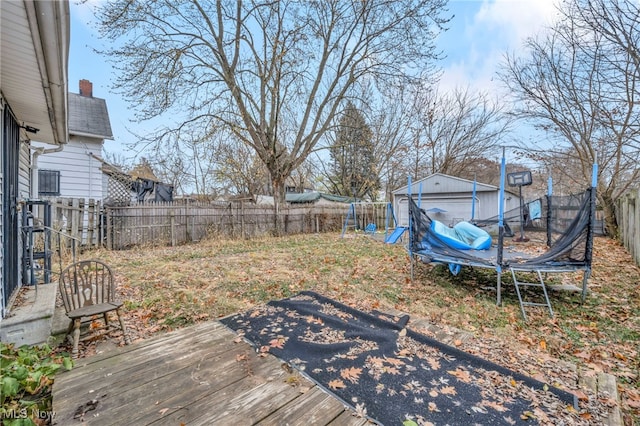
[(395, 236)]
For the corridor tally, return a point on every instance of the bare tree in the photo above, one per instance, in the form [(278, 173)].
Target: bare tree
[(117, 159), (187, 162), (171, 169), (273, 72), (452, 132), (303, 177), (579, 85), (239, 170), (390, 120)]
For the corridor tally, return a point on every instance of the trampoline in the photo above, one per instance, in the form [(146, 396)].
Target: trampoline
[(569, 222)]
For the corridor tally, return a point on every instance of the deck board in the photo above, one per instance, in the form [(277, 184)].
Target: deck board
[(311, 408), (197, 376), (139, 366)]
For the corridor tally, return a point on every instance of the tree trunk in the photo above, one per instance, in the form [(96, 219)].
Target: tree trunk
[(610, 220), (279, 201)]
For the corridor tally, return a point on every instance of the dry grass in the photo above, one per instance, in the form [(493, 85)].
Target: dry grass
[(167, 288)]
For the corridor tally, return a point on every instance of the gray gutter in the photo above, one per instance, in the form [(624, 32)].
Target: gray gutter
[(49, 22)]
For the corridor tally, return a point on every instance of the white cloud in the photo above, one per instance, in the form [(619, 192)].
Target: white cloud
[(515, 19), (83, 13), (482, 32)]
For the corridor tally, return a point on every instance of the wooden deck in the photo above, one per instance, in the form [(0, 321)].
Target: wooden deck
[(194, 376)]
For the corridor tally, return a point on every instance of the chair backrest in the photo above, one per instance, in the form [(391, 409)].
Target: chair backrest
[(86, 282)]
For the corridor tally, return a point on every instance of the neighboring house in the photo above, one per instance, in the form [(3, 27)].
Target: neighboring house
[(75, 169), (448, 199), (313, 197), (34, 53), (318, 198)]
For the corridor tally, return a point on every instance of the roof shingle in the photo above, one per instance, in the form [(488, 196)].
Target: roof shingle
[(89, 116)]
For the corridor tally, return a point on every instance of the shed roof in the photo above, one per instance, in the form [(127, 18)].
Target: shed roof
[(88, 116), (441, 183)]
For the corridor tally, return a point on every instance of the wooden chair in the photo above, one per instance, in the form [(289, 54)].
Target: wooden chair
[(87, 288)]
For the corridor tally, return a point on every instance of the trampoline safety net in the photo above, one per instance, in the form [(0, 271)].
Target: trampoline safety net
[(567, 220)]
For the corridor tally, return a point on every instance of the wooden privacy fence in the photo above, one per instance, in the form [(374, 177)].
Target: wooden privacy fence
[(179, 223), (628, 216), (78, 219), (86, 223)]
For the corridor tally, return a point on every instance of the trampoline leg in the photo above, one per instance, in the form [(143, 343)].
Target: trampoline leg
[(585, 278), (411, 260), (498, 289)]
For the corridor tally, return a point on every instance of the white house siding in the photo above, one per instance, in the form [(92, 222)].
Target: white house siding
[(2, 242), (105, 184), (24, 185), (24, 180), (80, 173)]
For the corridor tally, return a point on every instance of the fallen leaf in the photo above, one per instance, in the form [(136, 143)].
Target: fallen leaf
[(312, 320), (394, 361), (433, 363), (361, 411), (404, 353), (352, 374), (581, 395), (448, 390), (495, 405), (337, 384), (462, 375), (277, 343)]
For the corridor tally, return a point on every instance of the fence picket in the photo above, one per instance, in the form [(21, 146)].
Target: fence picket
[(177, 222), (628, 215)]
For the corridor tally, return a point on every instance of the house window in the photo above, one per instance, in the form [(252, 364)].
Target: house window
[(48, 182)]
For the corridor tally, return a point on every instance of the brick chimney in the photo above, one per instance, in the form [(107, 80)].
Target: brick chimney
[(86, 88)]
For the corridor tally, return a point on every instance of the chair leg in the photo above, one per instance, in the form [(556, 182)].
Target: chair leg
[(106, 320), (76, 337), (69, 336), (127, 341)]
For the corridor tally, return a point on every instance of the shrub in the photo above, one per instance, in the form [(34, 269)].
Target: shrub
[(25, 383)]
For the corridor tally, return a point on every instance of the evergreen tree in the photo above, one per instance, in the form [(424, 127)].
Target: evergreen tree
[(352, 164)]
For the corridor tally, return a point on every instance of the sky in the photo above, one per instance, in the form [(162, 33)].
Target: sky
[(479, 35)]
